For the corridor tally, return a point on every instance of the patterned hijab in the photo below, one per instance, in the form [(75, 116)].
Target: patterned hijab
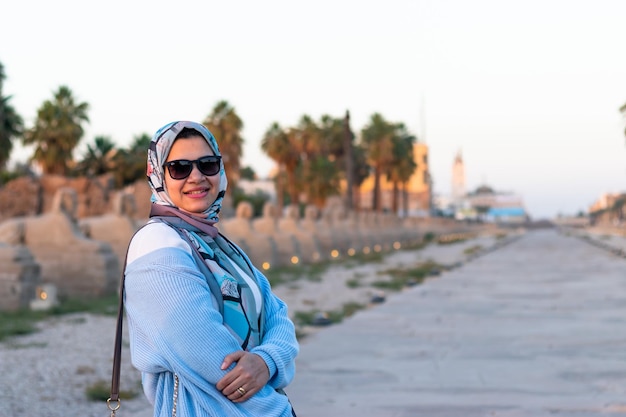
[(221, 261), (160, 146)]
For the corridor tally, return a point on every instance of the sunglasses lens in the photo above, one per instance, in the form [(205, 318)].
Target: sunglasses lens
[(209, 166), (180, 169)]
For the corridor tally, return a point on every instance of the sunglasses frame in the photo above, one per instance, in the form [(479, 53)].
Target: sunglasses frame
[(196, 162)]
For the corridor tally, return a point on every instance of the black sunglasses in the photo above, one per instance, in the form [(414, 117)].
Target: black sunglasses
[(181, 168)]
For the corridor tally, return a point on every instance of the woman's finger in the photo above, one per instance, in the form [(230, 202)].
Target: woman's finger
[(231, 358)]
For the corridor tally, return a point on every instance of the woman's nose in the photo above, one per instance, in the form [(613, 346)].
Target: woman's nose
[(195, 172)]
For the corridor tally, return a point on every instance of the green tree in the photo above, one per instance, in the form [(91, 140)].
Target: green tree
[(322, 180), (402, 166), (307, 137), (276, 144), (247, 173), (130, 164), (99, 157), (341, 149), (326, 167), (226, 126), (377, 139), (11, 124), (360, 172), (258, 200), (307, 140), (20, 170), (332, 137), (57, 131)]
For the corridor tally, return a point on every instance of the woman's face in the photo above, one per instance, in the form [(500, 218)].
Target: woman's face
[(197, 192)]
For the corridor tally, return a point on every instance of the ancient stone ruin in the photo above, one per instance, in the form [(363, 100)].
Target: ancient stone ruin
[(73, 234)]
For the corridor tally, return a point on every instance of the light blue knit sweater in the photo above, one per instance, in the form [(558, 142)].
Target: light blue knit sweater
[(175, 327)]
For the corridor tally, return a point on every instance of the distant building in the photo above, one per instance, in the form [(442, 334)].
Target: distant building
[(609, 209), (485, 204), (454, 204), (605, 201), (458, 180)]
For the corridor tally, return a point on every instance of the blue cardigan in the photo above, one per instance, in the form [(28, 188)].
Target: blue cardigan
[(176, 327)]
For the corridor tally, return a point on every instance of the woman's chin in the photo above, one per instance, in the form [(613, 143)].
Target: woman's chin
[(195, 209)]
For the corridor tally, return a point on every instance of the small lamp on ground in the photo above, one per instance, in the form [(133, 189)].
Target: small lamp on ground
[(45, 297)]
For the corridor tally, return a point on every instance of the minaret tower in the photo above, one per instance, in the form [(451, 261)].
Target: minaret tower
[(458, 180)]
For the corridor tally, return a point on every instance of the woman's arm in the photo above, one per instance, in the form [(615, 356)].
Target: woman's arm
[(274, 357), (174, 321), (279, 347)]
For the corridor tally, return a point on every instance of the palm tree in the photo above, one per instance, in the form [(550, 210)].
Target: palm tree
[(349, 157), (99, 158), (248, 173), (333, 135), (226, 126), (308, 139), (360, 172), (377, 139), (130, 164), (11, 124), (324, 164), (348, 160), (322, 180), (403, 165), (57, 131), (276, 144)]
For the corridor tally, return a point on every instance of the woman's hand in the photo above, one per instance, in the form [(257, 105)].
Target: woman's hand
[(249, 375)]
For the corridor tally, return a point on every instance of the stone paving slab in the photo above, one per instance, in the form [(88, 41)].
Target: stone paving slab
[(536, 328)]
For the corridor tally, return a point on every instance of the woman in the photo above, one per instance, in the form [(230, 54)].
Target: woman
[(206, 331)]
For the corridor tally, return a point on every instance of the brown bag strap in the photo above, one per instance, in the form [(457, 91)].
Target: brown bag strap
[(113, 403)]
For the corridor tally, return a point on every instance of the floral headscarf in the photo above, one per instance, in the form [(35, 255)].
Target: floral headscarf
[(159, 149)]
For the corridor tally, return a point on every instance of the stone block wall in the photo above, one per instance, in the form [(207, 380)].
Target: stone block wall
[(28, 196), (81, 268), (76, 265), (77, 230), (19, 277)]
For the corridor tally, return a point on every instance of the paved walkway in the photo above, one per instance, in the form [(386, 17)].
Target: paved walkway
[(536, 328)]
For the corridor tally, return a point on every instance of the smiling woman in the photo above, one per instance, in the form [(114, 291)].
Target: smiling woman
[(206, 331)]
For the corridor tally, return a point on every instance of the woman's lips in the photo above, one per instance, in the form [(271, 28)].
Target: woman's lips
[(197, 193)]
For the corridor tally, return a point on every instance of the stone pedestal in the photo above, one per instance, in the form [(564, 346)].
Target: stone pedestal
[(261, 249), (19, 276), (78, 266)]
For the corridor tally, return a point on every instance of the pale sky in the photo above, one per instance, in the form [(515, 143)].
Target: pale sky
[(528, 91)]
